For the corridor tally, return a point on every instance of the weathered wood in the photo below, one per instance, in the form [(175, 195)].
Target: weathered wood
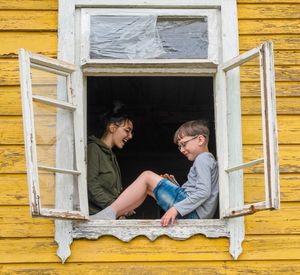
[(282, 57), (281, 41), (12, 159), (28, 20), (283, 221), (268, 11), (255, 191), (282, 89), (10, 100), (144, 268), (126, 230), (285, 106), (108, 249), (269, 26), (288, 129), (289, 158), (29, 5), (282, 73), (44, 43), (13, 188), (22, 225)]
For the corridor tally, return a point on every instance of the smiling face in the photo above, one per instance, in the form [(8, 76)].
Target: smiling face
[(121, 133), (192, 146)]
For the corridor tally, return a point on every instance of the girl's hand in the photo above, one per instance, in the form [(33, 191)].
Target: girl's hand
[(169, 217)]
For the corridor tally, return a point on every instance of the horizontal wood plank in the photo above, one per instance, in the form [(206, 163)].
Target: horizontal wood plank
[(288, 129), (289, 158), (254, 189), (10, 73), (286, 220), (28, 20), (10, 96), (288, 89), (108, 249), (268, 11), (269, 26), (12, 158), (280, 41), (284, 106), (13, 188), (282, 73), (29, 5), (42, 42), (11, 127), (144, 268), (10, 100), (21, 224)]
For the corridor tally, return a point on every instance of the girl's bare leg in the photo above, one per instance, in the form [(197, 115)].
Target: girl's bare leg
[(135, 193)]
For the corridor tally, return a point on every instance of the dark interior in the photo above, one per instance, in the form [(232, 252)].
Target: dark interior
[(159, 106)]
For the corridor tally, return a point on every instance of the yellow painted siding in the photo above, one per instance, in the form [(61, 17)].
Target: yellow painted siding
[(272, 243)]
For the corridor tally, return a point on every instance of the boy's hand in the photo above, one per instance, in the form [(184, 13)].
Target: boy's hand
[(169, 217), (171, 178)]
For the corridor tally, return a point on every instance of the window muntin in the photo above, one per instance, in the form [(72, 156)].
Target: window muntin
[(201, 25)]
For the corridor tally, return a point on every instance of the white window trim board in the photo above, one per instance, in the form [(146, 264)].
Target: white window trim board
[(68, 29), (66, 51)]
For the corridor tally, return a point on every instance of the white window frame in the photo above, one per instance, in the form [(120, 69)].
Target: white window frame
[(69, 49), (212, 29), (62, 210)]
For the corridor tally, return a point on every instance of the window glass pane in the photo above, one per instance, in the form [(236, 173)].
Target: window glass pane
[(49, 85), (142, 37), (51, 186), (183, 38), (54, 136)]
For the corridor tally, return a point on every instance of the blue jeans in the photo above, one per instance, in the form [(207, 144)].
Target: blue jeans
[(167, 194)]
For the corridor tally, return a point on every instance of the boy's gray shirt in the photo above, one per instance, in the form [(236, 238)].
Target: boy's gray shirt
[(202, 188)]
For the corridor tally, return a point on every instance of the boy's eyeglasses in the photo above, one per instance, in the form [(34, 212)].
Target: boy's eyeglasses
[(183, 144)]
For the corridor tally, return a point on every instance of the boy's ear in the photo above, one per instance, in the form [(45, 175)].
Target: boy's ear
[(201, 139)]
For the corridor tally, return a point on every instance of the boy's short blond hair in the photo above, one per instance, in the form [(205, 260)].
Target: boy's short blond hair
[(192, 128)]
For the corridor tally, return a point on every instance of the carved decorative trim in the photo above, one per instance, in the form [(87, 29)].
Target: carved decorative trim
[(126, 230)]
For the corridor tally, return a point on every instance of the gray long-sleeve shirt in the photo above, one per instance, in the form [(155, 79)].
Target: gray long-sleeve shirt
[(202, 188)]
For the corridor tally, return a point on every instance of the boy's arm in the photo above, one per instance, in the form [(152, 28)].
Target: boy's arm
[(202, 189)]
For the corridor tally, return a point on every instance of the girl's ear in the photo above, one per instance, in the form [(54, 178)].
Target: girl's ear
[(112, 128)]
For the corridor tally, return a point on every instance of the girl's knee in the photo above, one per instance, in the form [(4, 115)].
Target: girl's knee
[(148, 174)]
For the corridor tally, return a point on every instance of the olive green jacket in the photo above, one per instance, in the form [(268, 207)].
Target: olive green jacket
[(103, 175)]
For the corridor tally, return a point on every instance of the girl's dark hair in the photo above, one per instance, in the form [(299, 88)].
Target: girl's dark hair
[(117, 114)]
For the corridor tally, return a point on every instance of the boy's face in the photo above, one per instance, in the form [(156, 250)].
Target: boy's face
[(192, 146)]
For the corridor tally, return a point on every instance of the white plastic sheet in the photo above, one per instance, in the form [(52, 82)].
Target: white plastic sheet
[(146, 36)]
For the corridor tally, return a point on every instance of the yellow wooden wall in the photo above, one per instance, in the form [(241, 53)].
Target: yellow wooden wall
[(272, 243)]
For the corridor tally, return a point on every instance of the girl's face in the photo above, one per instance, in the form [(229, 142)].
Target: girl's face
[(122, 134)]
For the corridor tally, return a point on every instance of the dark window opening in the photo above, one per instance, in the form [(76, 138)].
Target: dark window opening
[(159, 105)]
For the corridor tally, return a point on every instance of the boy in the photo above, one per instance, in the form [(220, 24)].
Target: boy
[(195, 199)]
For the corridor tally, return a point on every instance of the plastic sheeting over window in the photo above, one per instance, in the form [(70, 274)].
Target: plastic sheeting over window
[(146, 37)]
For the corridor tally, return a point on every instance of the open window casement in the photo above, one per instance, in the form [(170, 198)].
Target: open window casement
[(232, 206), (53, 141)]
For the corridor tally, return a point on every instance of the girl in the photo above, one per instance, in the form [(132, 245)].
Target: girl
[(103, 173)]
